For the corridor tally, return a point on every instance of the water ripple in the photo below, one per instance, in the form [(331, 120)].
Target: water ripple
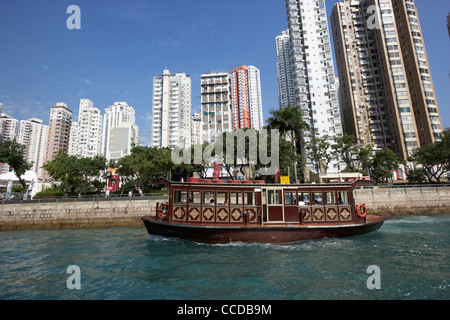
[(127, 263)]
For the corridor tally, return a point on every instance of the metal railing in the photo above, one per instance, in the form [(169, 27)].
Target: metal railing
[(407, 185), (88, 198)]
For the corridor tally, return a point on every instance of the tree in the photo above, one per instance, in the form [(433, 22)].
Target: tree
[(383, 164), (320, 151), (76, 173), (290, 161), (290, 123), (434, 158), (12, 153), (356, 157), (145, 163), (417, 175)]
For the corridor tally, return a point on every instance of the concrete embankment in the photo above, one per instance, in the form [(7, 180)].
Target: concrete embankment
[(405, 200), (75, 213)]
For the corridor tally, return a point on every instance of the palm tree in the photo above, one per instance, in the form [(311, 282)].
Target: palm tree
[(290, 123)]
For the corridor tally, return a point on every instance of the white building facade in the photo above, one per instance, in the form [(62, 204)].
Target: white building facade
[(8, 127), (115, 116), (87, 141), (171, 116), (313, 72), (216, 117), (33, 134), (196, 128), (122, 139), (286, 89), (255, 98)]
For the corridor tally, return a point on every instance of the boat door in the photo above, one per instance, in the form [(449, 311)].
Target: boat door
[(273, 209)]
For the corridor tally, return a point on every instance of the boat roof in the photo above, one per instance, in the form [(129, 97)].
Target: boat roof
[(219, 184)]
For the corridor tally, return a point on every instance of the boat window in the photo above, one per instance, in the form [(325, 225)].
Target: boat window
[(343, 197), (303, 198), (236, 197), (222, 198), (274, 197), (290, 198), (250, 199), (179, 196), (208, 197), (194, 197), (317, 198), (330, 198)]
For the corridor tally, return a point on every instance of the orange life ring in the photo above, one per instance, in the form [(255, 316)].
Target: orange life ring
[(162, 212), (358, 211)]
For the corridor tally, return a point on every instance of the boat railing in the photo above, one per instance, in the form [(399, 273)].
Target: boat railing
[(86, 198)]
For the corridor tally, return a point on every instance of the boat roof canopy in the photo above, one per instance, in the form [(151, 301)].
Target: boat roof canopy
[(211, 184)]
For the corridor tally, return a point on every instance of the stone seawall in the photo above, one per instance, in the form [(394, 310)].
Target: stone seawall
[(408, 200), (127, 212), (74, 214)]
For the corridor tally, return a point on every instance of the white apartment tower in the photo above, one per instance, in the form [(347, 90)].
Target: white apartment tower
[(115, 116), (73, 142), (87, 141), (171, 117), (196, 128), (286, 89), (8, 127), (313, 71), (122, 139), (254, 96), (33, 134), (216, 117)]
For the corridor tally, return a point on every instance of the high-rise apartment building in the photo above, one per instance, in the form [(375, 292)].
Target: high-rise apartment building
[(8, 127), (286, 89), (313, 71), (33, 134), (171, 117), (387, 92), (73, 142), (255, 98), (196, 128), (246, 101), (58, 130), (122, 139), (215, 105), (86, 141), (115, 116)]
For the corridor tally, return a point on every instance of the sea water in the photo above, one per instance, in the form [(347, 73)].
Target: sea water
[(408, 258)]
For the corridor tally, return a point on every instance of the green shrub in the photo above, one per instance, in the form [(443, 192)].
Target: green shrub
[(50, 192)]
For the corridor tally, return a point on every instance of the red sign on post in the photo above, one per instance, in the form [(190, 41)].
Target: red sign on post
[(113, 183)]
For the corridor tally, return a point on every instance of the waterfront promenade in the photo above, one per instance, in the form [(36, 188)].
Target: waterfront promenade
[(117, 211)]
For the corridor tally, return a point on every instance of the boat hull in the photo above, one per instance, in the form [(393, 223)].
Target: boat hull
[(258, 234)]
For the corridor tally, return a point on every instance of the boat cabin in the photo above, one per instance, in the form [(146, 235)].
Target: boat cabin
[(259, 204)]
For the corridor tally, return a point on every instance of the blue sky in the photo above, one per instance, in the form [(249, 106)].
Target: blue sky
[(122, 45)]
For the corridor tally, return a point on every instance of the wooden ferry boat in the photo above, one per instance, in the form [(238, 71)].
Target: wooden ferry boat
[(208, 211)]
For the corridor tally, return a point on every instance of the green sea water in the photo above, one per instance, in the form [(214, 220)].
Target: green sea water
[(412, 254)]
